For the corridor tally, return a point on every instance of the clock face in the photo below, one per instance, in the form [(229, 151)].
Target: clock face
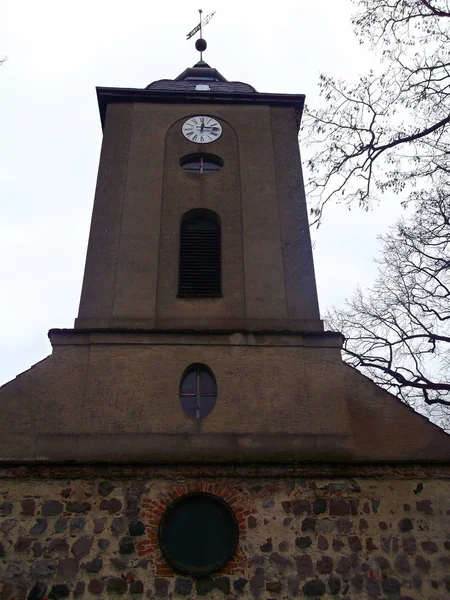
[(202, 130)]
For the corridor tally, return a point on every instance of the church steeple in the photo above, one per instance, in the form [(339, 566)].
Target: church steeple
[(198, 337), (145, 189), (198, 401)]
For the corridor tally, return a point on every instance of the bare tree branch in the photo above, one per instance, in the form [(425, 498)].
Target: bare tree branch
[(436, 11), (388, 132), (398, 332)]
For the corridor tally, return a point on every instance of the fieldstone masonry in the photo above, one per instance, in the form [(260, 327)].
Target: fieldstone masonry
[(300, 537)]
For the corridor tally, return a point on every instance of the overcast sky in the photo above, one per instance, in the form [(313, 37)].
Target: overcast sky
[(51, 135)]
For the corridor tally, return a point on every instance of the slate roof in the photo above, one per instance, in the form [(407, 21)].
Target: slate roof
[(186, 86), (200, 80), (201, 73)]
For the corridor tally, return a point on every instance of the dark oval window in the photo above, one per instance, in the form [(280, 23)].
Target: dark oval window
[(198, 534), (198, 391), (201, 163)]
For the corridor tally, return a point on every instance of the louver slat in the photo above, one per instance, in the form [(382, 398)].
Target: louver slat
[(200, 260)]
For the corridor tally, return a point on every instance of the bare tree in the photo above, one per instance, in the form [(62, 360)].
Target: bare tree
[(388, 131), (398, 332)]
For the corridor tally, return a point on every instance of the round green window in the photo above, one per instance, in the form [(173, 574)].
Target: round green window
[(198, 534)]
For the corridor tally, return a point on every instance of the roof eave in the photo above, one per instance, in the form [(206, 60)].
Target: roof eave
[(125, 95)]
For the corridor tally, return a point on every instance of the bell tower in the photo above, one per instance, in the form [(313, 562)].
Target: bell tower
[(199, 276), (151, 179), (196, 434), (198, 338)]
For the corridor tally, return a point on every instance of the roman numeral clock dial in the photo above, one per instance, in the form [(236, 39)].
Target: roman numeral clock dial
[(202, 130)]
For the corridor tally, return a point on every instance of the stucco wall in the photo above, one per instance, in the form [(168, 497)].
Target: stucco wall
[(381, 534), (142, 194), (120, 401), (113, 396)]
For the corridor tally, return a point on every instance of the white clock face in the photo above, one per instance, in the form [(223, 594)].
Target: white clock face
[(202, 130)]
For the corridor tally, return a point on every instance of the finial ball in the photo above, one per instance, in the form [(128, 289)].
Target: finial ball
[(200, 45)]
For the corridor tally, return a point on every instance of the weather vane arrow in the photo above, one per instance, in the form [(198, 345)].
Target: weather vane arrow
[(202, 23)]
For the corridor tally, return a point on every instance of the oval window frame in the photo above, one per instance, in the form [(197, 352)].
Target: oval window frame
[(195, 368), (198, 156)]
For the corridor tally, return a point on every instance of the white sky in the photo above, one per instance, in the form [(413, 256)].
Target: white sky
[(50, 135)]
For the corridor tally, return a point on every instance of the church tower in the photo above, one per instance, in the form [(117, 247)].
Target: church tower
[(151, 180), (200, 258), (197, 433)]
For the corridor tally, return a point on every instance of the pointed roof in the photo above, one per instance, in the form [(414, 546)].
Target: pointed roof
[(201, 74), (201, 70)]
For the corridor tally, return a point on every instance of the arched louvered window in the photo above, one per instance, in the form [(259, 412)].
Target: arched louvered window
[(199, 275), (198, 391)]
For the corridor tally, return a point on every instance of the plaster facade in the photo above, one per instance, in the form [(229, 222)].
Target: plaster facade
[(114, 396), (142, 193)]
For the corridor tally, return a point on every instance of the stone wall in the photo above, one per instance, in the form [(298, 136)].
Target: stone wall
[(92, 533)]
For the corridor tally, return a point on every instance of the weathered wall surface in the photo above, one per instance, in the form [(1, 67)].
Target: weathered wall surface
[(142, 193), (106, 396), (307, 537)]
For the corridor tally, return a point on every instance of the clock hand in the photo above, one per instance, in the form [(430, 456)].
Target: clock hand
[(203, 125)]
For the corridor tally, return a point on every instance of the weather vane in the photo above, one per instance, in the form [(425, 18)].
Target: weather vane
[(200, 44)]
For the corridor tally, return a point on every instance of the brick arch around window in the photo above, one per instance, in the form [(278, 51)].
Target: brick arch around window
[(200, 255), (154, 508)]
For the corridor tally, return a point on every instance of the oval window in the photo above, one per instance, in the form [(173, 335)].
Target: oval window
[(201, 163), (198, 391), (198, 534)]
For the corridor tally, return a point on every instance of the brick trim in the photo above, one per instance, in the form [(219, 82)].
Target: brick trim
[(154, 508)]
